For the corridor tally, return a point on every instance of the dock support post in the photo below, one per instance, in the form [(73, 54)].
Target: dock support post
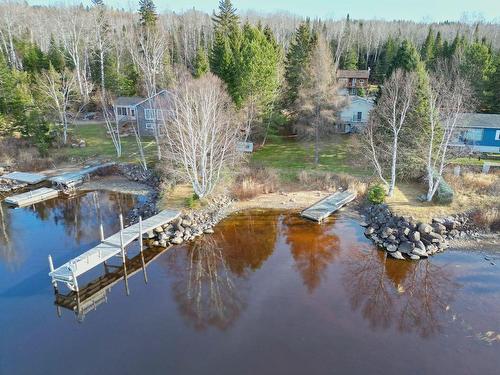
[(141, 248), (101, 230), (124, 259), (51, 267)]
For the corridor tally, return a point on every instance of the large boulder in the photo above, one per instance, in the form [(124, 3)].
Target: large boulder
[(406, 247), (397, 255), (424, 228)]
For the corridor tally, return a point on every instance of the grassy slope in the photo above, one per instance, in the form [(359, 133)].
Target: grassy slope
[(99, 145), (338, 155)]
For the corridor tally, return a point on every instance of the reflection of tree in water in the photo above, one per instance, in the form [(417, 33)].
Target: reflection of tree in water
[(7, 253), (313, 248), (80, 216), (248, 240), (203, 287), (409, 295)]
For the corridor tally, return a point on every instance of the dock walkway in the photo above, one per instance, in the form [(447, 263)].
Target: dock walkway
[(25, 177), (32, 197), (327, 206), (70, 180), (109, 247)]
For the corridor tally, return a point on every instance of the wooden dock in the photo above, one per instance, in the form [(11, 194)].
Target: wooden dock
[(95, 292), (32, 197), (327, 206), (25, 177), (109, 247)]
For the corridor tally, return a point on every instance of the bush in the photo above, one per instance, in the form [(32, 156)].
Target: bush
[(191, 201), (488, 219), (254, 181), (376, 194)]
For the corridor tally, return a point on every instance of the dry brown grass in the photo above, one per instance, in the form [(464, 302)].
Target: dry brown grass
[(319, 180), (488, 218), (19, 155), (254, 181), (473, 191)]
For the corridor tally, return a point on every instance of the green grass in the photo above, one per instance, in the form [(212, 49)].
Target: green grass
[(100, 145), (476, 161), (338, 155)]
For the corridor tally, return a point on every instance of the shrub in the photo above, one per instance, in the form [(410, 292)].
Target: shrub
[(191, 201), (376, 194), (254, 181)]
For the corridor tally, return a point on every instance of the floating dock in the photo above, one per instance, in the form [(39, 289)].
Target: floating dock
[(112, 246), (25, 177), (95, 293), (70, 180), (327, 206), (32, 197)]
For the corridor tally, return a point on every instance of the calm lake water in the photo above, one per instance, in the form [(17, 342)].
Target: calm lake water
[(269, 293)]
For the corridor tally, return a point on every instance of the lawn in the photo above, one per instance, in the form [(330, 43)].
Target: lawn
[(100, 145), (340, 154)]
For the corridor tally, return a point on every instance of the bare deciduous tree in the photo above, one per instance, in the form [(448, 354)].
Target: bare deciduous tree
[(112, 123), (318, 99), (60, 90), (389, 118), (200, 132), (450, 96)]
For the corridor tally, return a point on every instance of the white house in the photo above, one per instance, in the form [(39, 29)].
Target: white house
[(354, 115)]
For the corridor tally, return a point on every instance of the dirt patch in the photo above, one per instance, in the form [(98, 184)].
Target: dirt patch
[(286, 201), (116, 184)]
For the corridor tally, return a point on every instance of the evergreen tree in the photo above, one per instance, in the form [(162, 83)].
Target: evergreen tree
[(201, 65), (226, 45), (350, 60), (427, 51), (494, 83), (297, 59), (406, 58), (477, 65), (147, 12), (54, 55), (385, 61)]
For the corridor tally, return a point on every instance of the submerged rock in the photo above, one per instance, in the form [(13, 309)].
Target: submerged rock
[(397, 255)]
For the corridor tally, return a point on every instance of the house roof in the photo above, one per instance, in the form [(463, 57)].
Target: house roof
[(353, 74), (128, 100), (479, 120)]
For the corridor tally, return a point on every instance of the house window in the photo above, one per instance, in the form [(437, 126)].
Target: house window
[(149, 114), (361, 81), (159, 115), (470, 136), (360, 114), (497, 135), (121, 111), (150, 125), (132, 112)]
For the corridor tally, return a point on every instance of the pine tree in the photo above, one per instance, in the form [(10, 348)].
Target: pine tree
[(297, 59), (200, 65), (226, 44), (427, 51), (350, 60), (494, 87), (147, 11), (54, 55), (406, 58), (385, 60)]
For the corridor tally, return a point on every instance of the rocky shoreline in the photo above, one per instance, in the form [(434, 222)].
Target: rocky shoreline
[(190, 225), (404, 238)]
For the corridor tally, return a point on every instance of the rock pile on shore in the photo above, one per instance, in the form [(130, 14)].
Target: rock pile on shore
[(9, 185), (190, 225), (404, 238), (136, 173)]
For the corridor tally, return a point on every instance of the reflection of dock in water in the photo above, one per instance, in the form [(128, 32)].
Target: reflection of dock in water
[(95, 292)]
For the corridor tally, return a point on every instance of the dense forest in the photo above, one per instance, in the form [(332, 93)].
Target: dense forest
[(57, 62)]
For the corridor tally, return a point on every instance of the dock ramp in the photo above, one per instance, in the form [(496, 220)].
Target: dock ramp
[(327, 206)]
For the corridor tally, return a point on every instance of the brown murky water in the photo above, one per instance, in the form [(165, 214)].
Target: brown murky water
[(268, 293)]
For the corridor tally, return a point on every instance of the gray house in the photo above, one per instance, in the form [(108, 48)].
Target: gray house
[(147, 114)]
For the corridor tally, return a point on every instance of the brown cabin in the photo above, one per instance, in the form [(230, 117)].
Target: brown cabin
[(352, 80)]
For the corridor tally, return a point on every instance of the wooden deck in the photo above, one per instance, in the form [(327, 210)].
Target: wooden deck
[(327, 206), (108, 248), (32, 197), (25, 177)]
